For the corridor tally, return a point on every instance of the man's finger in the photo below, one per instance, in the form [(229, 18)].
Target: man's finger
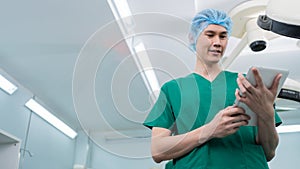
[(275, 83), (257, 76)]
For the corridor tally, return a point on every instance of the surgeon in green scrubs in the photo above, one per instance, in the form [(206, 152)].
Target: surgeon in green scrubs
[(194, 122)]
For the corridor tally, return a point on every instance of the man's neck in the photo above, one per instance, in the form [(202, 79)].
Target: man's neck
[(208, 71)]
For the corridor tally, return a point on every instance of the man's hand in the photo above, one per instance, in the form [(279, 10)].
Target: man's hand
[(258, 98), (227, 122)]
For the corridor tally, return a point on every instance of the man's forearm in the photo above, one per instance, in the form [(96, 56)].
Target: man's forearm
[(171, 147), (267, 137)]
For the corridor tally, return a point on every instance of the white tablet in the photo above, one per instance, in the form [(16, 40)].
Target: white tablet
[(268, 75)]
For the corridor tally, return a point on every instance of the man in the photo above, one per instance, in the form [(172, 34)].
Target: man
[(194, 121)]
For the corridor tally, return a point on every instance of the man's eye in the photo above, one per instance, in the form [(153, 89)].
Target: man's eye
[(209, 35), (223, 37)]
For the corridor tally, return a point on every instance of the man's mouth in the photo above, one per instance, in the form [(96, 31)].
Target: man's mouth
[(215, 51)]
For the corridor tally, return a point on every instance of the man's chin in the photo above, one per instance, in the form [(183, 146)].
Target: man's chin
[(216, 58)]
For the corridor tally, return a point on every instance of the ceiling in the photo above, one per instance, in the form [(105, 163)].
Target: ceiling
[(71, 55)]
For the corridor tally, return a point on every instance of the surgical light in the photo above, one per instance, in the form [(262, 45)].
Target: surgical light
[(282, 17)]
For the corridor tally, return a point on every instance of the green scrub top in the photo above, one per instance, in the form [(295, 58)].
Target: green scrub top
[(187, 103)]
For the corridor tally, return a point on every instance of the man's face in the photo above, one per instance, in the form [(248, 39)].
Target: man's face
[(211, 44)]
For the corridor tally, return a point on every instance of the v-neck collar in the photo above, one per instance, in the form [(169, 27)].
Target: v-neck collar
[(215, 79)]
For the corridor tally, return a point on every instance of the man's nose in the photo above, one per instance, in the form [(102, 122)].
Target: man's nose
[(216, 42)]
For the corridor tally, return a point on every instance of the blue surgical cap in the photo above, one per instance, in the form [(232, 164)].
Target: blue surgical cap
[(205, 18)]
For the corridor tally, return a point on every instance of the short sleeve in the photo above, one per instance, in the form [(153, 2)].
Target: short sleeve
[(161, 113), (277, 119)]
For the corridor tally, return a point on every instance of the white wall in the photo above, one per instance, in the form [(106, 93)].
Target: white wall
[(50, 148), (288, 152)]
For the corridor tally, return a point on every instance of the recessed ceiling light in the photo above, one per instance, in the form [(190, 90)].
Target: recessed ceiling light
[(7, 86), (144, 64), (288, 128), (49, 117)]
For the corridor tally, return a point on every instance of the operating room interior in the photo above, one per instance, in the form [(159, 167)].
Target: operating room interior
[(83, 75)]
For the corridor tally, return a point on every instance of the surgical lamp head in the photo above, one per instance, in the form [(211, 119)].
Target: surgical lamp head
[(205, 18), (282, 17), (244, 16), (256, 39)]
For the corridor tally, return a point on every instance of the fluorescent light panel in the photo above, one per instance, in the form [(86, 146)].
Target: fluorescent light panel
[(123, 8), (145, 63), (7, 86), (49, 117), (288, 128), (123, 15), (150, 74), (120, 9), (140, 47), (285, 108)]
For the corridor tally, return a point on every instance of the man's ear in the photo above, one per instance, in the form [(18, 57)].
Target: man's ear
[(191, 38)]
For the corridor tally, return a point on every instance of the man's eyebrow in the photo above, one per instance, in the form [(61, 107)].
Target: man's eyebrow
[(210, 31)]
